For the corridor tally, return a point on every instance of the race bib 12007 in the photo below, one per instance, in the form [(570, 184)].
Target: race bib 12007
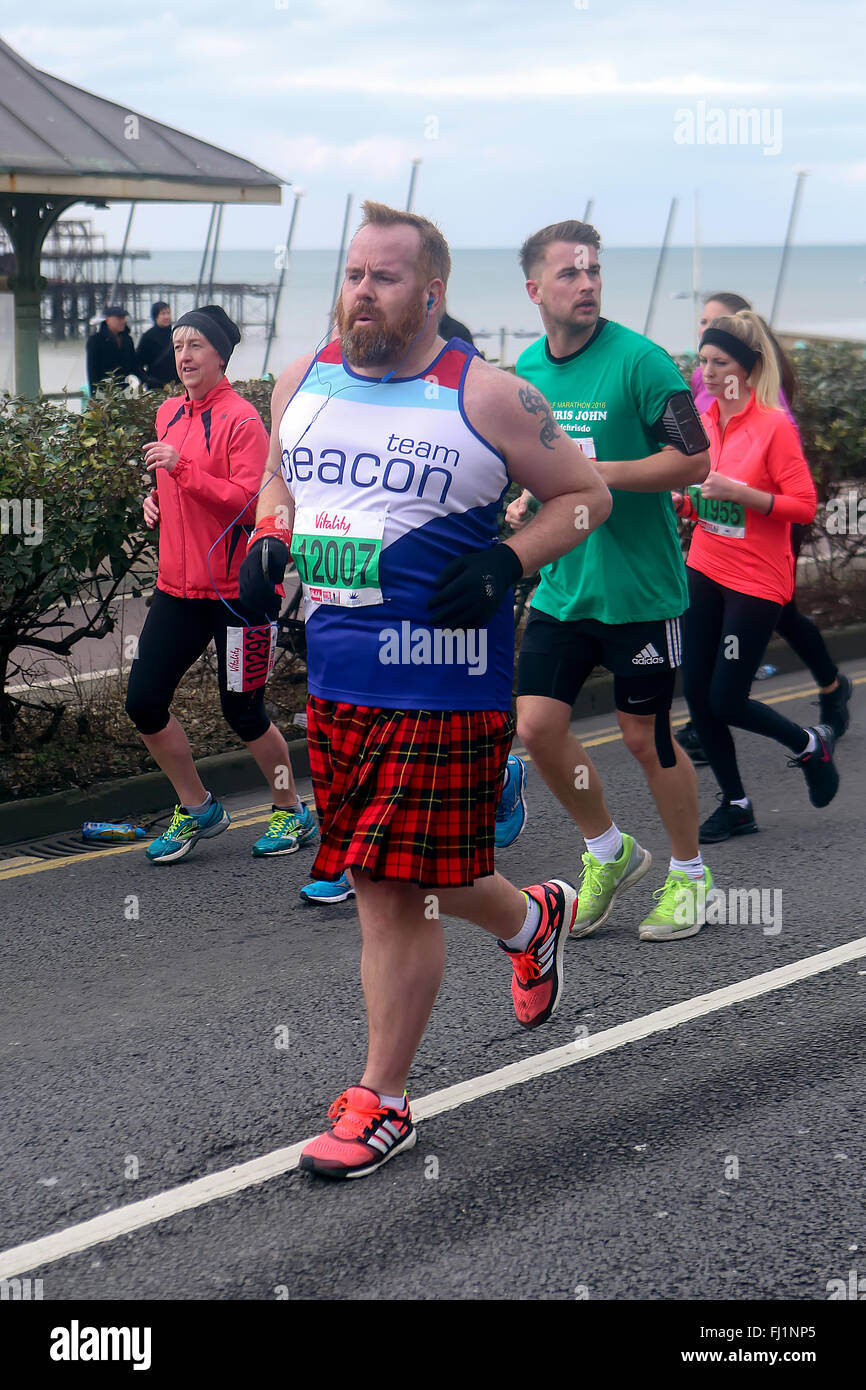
[(336, 554), (717, 516)]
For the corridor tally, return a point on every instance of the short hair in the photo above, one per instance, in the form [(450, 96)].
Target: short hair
[(535, 247), (435, 260)]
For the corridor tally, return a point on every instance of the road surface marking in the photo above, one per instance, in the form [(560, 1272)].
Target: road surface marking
[(111, 1224)]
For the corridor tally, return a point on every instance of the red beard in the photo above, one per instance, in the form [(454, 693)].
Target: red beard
[(378, 344)]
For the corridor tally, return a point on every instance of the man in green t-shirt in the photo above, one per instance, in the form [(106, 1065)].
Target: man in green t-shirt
[(615, 601)]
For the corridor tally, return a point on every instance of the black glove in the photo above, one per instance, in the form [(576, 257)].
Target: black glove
[(261, 571), (470, 589)]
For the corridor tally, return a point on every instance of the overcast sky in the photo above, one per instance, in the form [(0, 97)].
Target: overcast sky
[(519, 109)]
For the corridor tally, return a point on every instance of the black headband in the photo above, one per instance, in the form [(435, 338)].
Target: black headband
[(733, 346)]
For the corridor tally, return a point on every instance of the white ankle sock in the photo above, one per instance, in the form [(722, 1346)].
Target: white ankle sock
[(694, 868), (811, 745), (199, 810), (529, 928), (607, 847), (392, 1102), (743, 802)]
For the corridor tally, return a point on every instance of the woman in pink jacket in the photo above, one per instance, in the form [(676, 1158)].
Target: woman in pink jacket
[(801, 633), (208, 458), (741, 567)]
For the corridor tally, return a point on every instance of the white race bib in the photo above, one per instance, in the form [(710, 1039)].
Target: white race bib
[(336, 554)]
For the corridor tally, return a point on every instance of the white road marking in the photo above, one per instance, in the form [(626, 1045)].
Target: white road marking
[(36, 1253)]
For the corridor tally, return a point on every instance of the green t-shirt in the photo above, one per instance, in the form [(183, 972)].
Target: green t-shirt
[(608, 396)]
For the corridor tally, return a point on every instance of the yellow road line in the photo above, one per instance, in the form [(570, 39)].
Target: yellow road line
[(44, 864), (252, 815)]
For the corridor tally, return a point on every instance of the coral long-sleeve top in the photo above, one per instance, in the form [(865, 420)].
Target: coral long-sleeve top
[(735, 545)]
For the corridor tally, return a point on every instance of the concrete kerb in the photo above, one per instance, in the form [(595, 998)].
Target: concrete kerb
[(132, 798), (229, 773)]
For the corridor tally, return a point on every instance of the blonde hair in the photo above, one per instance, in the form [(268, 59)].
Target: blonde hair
[(764, 378)]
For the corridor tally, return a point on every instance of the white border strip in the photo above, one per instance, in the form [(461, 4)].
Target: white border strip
[(123, 1220)]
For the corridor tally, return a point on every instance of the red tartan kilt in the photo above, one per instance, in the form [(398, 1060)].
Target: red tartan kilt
[(407, 795)]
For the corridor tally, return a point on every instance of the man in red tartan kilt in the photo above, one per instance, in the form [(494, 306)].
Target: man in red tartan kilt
[(391, 452)]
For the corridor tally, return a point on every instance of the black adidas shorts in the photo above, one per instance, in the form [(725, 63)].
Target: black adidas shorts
[(556, 659)]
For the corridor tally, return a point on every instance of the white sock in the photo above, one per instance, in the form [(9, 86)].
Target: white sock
[(744, 802), (607, 847), (694, 868), (199, 810), (811, 745), (529, 928), (392, 1102)]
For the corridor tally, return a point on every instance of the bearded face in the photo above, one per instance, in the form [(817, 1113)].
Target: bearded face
[(378, 341)]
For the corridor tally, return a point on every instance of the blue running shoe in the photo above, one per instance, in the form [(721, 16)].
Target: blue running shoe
[(286, 832), (183, 831), (320, 891), (511, 811)]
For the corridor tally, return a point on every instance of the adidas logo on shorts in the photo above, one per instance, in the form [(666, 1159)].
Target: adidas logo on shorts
[(648, 657)]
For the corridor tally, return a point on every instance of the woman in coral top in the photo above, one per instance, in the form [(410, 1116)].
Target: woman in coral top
[(741, 568)]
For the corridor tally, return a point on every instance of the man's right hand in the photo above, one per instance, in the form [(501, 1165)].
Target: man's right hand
[(519, 512), (260, 573), (151, 509)]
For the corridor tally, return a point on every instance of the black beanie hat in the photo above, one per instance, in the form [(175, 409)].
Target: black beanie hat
[(156, 309), (214, 324)]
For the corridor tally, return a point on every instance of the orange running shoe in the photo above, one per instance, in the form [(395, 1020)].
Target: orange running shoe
[(536, 983), (364, 1135)]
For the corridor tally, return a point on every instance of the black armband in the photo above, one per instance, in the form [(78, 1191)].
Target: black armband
[(680, 425)]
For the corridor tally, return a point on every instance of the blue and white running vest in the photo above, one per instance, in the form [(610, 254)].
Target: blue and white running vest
[(391, 482)]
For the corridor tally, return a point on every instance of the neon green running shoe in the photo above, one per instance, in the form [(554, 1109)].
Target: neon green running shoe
[(287, 831), (681, 908), (602, 884)]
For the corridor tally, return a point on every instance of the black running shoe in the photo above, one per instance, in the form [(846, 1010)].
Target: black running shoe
[(834, 707), (687, 738), (727, 821), (819, 769)]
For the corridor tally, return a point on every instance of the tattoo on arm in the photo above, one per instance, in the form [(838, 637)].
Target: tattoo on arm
[(534, 402)]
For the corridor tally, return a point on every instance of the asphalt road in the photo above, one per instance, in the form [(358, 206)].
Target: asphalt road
[(721, 1159)]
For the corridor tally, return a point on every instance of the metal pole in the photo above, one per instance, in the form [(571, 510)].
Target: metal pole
[(340, 256), (118, 274), (783, 265), (696, 251), (272, 330), (410, 198), (216, 242), (213, 213), (659, 267), (587, 212)]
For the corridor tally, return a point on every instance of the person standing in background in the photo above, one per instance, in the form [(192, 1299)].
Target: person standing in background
[(156, 350), (110, 350)]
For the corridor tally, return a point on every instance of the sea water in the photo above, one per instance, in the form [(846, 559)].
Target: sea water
[(824, 294)]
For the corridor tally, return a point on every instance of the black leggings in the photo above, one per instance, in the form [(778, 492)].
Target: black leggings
[(725, 635), (176, 631), (804, 636)]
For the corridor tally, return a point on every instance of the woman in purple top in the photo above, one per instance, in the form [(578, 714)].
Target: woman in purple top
[(801, 634)]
